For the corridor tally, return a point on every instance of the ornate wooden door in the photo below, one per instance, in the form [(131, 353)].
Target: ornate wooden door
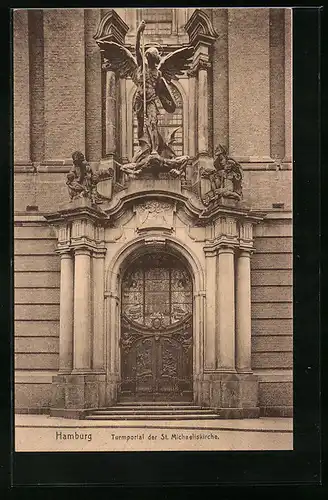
[(156, 330)]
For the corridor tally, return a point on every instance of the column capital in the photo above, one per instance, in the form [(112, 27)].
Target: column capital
[(82, 250), (99, 253), (201, 63), (65, 253), (220, 246), (225, 248), (245, 252), (210, 251)]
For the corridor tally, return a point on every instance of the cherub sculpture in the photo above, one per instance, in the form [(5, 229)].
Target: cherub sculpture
[(152, 75), (79, 179), (82, 181), (225, 169)]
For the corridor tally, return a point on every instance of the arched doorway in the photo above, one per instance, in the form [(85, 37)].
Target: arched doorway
[(156, 340)]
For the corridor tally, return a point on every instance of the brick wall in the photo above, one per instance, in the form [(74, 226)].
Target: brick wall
[(21, 86), (64, 82)]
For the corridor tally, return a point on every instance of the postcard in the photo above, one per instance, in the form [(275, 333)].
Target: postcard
[(153, 229)]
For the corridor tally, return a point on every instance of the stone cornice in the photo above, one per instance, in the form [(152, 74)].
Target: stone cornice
[(237, 211), (77, 209), (200, 28), (111, 28), (117, 206)]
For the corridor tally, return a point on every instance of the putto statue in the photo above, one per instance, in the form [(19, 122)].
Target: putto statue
[(152, 75), (226, 178), (82, 181)]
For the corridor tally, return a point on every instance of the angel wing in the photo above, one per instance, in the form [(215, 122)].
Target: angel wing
[(175, 63), (119, 58)]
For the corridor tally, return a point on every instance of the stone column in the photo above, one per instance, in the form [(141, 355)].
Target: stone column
[(211, 316), (111, 28), (98, 311), (243, 312), (203, 107), (124, 122), (110, 141), (82, 311), (202, 37), (192, 114), (66, 313), (226, 309)]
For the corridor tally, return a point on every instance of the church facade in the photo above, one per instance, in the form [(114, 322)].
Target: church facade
[(161, 277)]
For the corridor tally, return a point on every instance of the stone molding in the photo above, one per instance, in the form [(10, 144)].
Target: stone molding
[(200, 29), (112, 28)]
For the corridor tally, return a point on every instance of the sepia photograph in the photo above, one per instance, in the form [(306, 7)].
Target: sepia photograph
[(153, 280)]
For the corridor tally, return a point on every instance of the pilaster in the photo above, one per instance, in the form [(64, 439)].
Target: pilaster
[(66, 311), (111, 28), (82, 311), (243, 311), (98, 277), (202, 36), (80, 383), (227, 382), (211, 316), (226, 309)]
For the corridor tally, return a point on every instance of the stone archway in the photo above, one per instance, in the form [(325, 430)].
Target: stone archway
[(156, 340), (114, 319)]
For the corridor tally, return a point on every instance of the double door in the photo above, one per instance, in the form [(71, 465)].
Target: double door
[(156, 365)]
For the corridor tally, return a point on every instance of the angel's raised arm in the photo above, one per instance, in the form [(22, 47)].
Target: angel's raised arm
[(140, 30)]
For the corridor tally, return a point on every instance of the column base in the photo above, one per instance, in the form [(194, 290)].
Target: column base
[(232, 395), (73, 394)]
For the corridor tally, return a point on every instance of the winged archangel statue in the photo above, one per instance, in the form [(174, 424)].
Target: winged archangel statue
[(152, 75)]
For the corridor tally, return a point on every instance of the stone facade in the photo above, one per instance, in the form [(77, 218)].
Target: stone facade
[(70, 256)]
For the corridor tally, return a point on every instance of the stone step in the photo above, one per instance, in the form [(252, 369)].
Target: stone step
[(152, 408), (154, 416), (155, 403), (163, 413)]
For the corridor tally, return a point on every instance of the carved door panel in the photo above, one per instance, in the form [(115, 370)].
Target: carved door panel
[(156, 365), (156, 331)]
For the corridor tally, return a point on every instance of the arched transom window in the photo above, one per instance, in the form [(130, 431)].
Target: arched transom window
[(156, 291), (158, 21)]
